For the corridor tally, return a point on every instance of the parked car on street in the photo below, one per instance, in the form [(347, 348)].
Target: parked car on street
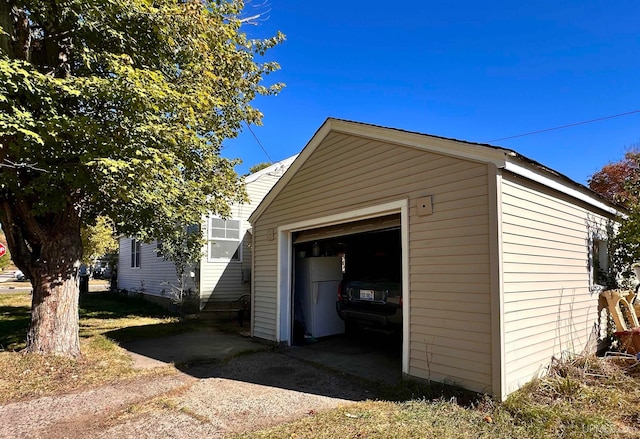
[(20, 276), (101, 270)]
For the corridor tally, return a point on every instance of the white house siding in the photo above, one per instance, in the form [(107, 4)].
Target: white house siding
[(223, 280), (219, 280), (154, 271), (450, 319), (548, 305)]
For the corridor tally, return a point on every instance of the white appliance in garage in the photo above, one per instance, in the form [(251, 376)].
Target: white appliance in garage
[(316, 290)]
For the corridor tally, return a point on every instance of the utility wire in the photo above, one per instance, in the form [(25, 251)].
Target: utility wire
[(260, 144), (14, 165), (566, 126)]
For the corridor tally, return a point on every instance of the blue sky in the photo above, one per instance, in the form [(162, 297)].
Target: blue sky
[(476, 71)]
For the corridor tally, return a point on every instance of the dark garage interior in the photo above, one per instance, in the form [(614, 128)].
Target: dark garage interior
[(359, 274)]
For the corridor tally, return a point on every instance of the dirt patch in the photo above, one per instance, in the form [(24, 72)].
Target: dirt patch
[(62, 415)]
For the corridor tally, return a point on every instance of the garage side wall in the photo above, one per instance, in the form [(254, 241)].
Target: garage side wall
[(549, 305), (450, 315)]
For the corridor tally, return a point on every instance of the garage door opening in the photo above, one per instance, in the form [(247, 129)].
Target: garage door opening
[(349, 284), (346, 237)]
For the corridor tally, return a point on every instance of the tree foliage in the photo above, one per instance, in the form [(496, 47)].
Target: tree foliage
[(184, 248), (259, 167), (116, 108), (98, 239), (619, 182)]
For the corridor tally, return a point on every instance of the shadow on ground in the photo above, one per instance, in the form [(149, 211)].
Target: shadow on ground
[(337, 367), (13, 326)]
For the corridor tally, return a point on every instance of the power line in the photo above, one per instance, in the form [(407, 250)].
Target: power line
[(14, 165), (260, 144), (566, 126)]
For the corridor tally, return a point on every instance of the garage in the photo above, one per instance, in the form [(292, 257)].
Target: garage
[(358, 264), (496, 274), (316, 255)]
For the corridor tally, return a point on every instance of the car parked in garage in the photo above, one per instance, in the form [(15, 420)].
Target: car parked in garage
[(370, 293), (370, 302)]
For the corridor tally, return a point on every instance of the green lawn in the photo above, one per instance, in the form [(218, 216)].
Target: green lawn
[(105, 320)]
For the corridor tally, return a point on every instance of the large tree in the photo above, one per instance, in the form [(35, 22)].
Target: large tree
[(115, 108)]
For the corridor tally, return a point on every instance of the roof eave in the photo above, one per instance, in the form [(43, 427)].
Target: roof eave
[(428, 142), (533, 171), (501, 157)]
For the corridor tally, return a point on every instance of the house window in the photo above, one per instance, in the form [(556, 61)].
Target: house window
[(224, 239), (135, 253), (600, 262)]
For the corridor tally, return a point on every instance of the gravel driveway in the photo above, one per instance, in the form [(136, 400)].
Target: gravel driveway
[(246, 393)]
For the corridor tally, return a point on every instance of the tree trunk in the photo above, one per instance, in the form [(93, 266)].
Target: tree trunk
[(54, 308), (54, 317), (47, 249)]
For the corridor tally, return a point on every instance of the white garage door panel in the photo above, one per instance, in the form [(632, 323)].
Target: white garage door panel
[(348, 228)]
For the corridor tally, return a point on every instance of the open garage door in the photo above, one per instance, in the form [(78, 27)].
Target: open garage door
[(358, 242), (347, 293), (350, 228), (345, 281)]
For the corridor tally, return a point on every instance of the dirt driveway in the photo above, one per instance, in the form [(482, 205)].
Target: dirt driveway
[(234, 393)]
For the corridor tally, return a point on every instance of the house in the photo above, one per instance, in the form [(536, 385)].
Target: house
[(224, 272), (498, 268)]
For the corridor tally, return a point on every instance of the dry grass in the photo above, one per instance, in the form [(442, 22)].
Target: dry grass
[(581, 397), (584, 397), (28, 376), (105, 319)]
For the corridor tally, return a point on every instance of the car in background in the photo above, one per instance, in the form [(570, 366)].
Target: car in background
[(101, 270), (19, 275)]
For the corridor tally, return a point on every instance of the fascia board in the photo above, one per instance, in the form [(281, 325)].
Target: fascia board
[(424, 142), (311, 146), (530, 174)]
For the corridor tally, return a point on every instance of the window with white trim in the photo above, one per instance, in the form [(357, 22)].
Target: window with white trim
[(224, 239), (135, 253)]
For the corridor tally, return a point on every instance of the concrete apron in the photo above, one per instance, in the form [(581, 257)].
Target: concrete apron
[(201, 346), (360, 357), (339, 353)]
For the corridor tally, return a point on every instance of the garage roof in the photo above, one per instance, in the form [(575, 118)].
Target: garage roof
[(503, 158)]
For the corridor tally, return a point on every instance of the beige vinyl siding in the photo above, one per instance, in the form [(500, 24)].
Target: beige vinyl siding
[(152, 275), (548, 305), (449, 250), (222, 281)]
